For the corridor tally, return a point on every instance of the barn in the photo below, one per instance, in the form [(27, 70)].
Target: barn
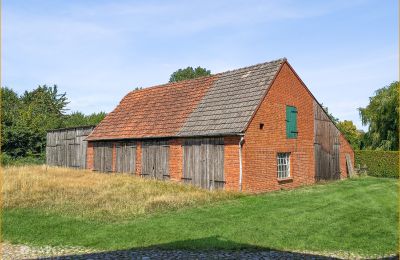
[(253, 129)]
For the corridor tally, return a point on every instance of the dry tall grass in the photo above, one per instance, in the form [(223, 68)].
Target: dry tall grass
[(100, 196)]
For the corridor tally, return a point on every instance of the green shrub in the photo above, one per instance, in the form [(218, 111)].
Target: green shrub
[(8, 160), (379, 163)]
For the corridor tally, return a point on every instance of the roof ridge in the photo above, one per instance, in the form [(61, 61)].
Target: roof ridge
[(208, 76), (254, 65)]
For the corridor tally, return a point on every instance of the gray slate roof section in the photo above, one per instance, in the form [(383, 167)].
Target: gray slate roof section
[(229, 104)]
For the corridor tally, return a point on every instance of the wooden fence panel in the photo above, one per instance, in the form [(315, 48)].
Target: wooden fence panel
[(203, 162), (67, 147)]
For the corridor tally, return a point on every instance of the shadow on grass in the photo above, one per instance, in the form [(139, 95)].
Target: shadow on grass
[(205, 248)]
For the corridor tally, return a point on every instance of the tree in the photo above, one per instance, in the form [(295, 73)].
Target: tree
[(189, 73), (25, 119), (10, 105), (382, 117), (79, 119), (349, 130)]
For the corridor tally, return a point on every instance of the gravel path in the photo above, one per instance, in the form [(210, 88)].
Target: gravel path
[(28, 252)]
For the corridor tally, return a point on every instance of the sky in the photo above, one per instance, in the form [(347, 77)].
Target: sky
[(98, 51)]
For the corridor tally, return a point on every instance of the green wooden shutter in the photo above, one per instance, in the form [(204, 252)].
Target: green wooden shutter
[(291, 122)]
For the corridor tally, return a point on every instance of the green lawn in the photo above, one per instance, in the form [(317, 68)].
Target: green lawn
[(358, 216)]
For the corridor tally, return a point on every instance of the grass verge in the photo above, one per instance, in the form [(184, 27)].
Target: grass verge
[(359, 216)]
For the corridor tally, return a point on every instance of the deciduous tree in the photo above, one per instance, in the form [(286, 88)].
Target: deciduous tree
[(382, 117), (189, 73)]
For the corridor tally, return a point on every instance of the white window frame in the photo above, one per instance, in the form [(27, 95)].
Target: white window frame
[(283, 165)]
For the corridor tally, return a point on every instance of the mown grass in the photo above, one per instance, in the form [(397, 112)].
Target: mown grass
[(97, 196), (358, 216)]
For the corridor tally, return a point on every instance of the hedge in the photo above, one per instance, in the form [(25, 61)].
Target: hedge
[(379, 163), (7, 160)]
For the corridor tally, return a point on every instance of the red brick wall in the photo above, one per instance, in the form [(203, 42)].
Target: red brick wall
[(262, 145), (89, 156), (231, 162), (175, 159), (345, 147), (138, 158)]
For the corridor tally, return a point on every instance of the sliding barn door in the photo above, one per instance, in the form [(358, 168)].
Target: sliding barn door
[(203, 162)]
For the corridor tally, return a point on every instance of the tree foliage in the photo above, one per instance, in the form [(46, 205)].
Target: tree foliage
[(351, 133), (189, 73), (80, 119), (26, 118), (382, 117)]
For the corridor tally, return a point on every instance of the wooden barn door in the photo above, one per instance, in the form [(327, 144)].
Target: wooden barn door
[(155, 159), (102, 156), (67, 147), (326, 146), (125, 157), (203, 162)]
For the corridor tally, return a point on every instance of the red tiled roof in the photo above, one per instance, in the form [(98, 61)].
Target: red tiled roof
[(158, 111)]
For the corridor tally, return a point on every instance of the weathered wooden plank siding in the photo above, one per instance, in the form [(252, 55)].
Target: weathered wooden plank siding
[(67, 147), (155, 159), (103, 156), (125, 157), (326, 146), (203, 162)]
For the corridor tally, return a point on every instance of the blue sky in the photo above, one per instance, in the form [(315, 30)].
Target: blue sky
[(97, 51)]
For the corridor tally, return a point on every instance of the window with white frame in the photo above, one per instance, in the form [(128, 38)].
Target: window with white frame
[(283, 165)]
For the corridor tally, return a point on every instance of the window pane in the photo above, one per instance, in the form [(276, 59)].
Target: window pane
[(283, 165)]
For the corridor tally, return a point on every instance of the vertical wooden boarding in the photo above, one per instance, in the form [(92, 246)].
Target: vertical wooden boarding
[(158, 173), (349, 166), (202, 174), (164, 160), (219, 179), (119, 157), (84, 147), (211, 174), (155, 159), (147, 160), (108, 148), (126, 157), (188, 161), (132, 160), (97, 151), (203, 162), (102, 156), (66, 147), (326, 146)]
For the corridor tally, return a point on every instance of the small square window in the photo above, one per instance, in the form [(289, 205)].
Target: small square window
[(283, 165)]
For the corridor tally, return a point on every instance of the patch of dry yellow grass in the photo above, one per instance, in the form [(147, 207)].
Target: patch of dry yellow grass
[(82, 193)]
